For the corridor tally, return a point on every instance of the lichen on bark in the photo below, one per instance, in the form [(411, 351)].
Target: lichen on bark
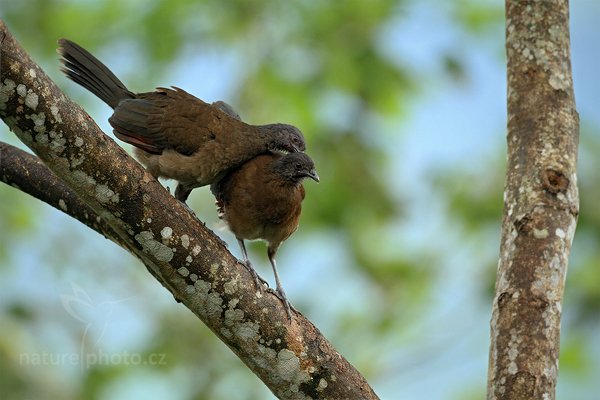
[(541, 202)]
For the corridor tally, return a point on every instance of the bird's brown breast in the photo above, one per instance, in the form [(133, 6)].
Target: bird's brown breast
[(257, 203)]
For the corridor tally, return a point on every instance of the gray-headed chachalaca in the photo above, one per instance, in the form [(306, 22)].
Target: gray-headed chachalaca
[(176, 135), (262, 199)]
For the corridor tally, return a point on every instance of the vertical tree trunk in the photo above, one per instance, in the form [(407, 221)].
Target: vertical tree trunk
[(541, 202)]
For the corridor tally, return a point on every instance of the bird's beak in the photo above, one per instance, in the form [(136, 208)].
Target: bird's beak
[(313, 175)]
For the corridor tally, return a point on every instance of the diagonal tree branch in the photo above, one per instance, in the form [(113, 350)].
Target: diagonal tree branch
[(27, 173), (541, 202), (293, 359)]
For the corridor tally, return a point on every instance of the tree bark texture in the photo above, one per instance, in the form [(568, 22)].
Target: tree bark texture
[(94, 180), (28, 174), (541, 202)]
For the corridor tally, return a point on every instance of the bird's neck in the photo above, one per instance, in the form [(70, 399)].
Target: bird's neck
[(286, 180), (268, 132), (255, 138), (270, 129)]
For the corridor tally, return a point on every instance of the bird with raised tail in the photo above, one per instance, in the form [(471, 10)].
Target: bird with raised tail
[(175, 134)]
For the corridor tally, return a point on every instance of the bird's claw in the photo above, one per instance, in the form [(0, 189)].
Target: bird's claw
[(257, 279), (224, 243), (286, 304), (189, 209)]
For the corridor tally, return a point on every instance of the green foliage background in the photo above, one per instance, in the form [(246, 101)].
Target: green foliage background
[(396, 267)]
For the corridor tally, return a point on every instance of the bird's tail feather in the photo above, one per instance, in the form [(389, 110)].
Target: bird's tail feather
[(86, 70)]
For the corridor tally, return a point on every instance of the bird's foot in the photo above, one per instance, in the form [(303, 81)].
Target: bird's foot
[(224, 243), (189, 209), (182, 192), (257, 279), (286, 304)]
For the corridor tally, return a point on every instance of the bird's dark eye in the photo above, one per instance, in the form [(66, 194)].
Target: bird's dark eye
[(298, 166)]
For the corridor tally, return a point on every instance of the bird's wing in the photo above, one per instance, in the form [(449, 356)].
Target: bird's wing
[(227, 109), (130, 124), (167, 119), (239, 181), (222, 190)]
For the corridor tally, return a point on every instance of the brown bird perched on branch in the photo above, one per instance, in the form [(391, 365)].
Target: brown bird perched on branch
[(262, 199), (175, 134)]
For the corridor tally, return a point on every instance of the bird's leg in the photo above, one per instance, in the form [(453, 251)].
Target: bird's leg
[(249, 266), (271, 253), (182, 192)]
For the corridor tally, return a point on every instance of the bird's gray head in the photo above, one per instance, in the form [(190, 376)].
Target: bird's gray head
[(296, 166), (286, 138)]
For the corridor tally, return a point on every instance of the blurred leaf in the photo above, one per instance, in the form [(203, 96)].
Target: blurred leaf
[(479, 16), (474, 196), (20, 311), (574, 357), (17, 219)]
